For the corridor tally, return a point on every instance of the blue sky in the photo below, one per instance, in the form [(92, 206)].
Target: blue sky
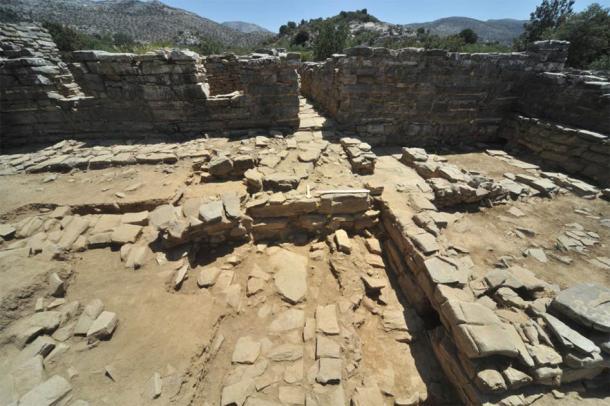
[(273, 13)]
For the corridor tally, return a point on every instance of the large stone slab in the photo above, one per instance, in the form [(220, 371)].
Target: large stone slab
[(291, 278), (54, 391), (569, 338), (587, 304)]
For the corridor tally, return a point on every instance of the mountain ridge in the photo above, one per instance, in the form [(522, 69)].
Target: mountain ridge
[(502, 30), (146, 21)]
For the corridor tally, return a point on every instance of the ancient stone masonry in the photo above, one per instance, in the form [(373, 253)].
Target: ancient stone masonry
[(223, 74), (128, 96), (423, 97), (505, 334), (573, 150), (572, 98)]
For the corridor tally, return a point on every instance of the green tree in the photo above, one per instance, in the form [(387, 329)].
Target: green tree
[(549, 15), (469, 36), (331, 39), (301, 38), (588, 33)]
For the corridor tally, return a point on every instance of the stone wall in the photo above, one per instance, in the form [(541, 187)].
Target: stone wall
[(163, 94), (568, 149), (223, 74), (576, 99), (423, 97), (502, 337)]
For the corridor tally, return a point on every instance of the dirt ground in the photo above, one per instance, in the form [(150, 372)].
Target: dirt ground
[(189, 336)]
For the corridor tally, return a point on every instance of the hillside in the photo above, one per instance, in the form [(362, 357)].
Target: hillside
[(503, 31), (246, 28), (142, 20)]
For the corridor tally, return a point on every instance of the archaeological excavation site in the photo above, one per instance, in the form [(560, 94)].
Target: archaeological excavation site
[(386, 227)]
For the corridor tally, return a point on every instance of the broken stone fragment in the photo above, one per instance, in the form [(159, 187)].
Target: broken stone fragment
[(154, 386), (343, 241), (207, 276), (57, 286), (125, 233), (28, 328), (103, 327), (211, 212), (181, 276), (91, 312), (490, 380)]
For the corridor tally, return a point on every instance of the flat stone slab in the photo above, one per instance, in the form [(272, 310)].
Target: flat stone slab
[(289, 320), (291, 283), (103, 326), (246, 350), (587, 304), (326, 319), (54, 391)]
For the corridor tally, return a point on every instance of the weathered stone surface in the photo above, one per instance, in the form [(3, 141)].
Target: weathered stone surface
[(54, 391), (326, 319), (28, 375), (237, 393), (343, 241), (91, 311), (587, 304), (211, 212), (162, 216), (246, 350), (291, 283), (292, 395), (25, 330), (126, 233), (367, 396), (288, 320), (327, 348), (490, 380), (568, 338), (103, 326), (286, 352), (207, 276), (329, 371)]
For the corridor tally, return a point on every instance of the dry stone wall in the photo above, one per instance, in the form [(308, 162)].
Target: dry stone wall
[(569, 149), (128, 96), (576, 99), (223, 74), (422, 97)]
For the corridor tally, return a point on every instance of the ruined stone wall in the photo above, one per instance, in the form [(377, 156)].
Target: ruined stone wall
[(223, 74), (577, 99), (568, 149), (424, 97), (164, 94)]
